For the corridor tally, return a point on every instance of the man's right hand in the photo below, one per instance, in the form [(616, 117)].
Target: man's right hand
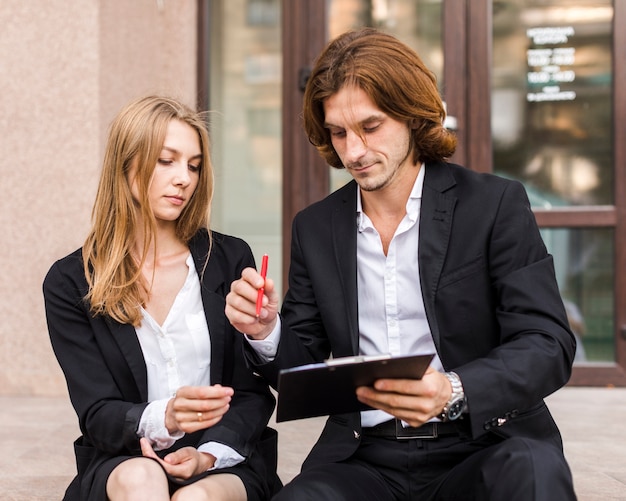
[(241, 305)]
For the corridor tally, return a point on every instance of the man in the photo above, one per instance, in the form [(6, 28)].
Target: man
[(415, 256)]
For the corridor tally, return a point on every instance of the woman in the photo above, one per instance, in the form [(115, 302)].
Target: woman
[(155, 372)]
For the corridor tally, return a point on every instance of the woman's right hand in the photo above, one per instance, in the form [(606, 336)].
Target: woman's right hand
[(195, 408), (183, 463)]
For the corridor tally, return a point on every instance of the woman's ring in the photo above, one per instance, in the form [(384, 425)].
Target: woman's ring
[(199, 416)]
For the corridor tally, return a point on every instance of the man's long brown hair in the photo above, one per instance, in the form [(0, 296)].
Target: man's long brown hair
[(136, 137), (395, 79)]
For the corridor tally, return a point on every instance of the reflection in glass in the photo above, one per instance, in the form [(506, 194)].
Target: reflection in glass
[(416, 22), (245, 99), (552, 99), (583, 259)]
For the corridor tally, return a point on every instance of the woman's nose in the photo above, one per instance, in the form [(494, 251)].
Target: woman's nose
[(182, 177)]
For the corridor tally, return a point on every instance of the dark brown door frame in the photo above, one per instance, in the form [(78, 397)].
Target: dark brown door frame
[(305, 174), (617, 374), (454, 90)]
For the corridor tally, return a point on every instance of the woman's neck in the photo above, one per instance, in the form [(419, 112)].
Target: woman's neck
[(163, 247)]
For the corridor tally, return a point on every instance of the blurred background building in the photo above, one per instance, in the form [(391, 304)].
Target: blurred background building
[(535, 89)]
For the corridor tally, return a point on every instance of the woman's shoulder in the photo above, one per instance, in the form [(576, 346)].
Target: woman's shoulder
[(226, 251), (229, 241), (68, 269), (219, 242)]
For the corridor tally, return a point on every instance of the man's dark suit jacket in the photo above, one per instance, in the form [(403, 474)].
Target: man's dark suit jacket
[(490, 294), (106, 372)]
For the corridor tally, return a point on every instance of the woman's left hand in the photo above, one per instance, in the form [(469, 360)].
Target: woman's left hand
[(183, 463), (197, 407)]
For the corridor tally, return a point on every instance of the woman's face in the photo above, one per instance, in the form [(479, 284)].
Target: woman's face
[(176, 174)]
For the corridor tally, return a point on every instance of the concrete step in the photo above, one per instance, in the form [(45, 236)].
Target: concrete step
[(37, 463)]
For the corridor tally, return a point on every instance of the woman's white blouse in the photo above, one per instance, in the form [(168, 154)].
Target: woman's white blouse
[(177, 353)]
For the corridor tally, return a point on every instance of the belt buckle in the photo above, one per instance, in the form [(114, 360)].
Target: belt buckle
[(410, 433)]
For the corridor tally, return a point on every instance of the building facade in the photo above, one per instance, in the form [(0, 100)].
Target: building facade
[(535, 89)]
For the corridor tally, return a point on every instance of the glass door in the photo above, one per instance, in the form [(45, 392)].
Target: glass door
[(552, 129), (243, 83)]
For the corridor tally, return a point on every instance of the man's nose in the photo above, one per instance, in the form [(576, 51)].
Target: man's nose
[(355, 147)]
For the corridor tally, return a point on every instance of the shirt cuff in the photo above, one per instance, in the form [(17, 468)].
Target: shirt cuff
[(267, 348), (224, 456), (152, 426)]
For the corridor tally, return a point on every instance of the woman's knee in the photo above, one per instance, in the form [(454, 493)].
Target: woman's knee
[(220, 487), (134, 475)]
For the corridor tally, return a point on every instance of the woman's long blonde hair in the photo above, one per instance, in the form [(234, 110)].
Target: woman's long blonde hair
[(137, 134)]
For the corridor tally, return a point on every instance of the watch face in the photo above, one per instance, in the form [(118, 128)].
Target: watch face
[(456, 409)]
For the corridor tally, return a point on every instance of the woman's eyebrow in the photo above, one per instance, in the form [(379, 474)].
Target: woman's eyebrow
[(176, 152)]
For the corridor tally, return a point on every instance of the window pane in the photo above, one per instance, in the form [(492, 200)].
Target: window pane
[(245, 99), (583, 259), (416, 22), (552, 99)]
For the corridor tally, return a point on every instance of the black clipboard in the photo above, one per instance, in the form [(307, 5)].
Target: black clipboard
[(329, 387)]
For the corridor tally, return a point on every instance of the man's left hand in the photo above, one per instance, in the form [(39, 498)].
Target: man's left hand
[(414, 401)]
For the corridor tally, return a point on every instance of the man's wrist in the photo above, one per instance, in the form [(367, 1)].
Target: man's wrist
[(265, 333), (456, 404), (266, 348)]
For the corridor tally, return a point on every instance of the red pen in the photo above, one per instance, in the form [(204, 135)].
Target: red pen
[(259, 297)]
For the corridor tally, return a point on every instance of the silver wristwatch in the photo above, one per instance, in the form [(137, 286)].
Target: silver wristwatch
[(457, 404)]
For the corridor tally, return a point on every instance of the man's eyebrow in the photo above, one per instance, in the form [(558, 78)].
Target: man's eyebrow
[(371, 118)]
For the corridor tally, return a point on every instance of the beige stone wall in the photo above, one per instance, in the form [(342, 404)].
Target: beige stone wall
[(67, 66)]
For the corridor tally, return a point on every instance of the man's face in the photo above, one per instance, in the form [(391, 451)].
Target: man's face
[(373, 147)]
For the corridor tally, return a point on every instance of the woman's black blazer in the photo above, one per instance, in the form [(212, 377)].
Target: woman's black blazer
[(106, 372)]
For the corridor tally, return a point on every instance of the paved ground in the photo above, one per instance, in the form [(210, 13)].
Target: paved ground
[(36, 459)]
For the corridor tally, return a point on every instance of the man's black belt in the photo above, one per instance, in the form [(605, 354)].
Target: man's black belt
[(395, 429)]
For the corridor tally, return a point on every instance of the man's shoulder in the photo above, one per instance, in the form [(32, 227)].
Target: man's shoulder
[(344, 196), (462, 172), (448, 175)]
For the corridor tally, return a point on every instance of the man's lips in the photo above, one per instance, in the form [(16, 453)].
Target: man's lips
[(360, 167)]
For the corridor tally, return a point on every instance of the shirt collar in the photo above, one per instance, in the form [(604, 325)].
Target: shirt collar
[(412, 204)]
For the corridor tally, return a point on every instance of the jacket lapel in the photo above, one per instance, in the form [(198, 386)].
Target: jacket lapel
[(343, 227), (436, 213), (126, 339), (211, 279)]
